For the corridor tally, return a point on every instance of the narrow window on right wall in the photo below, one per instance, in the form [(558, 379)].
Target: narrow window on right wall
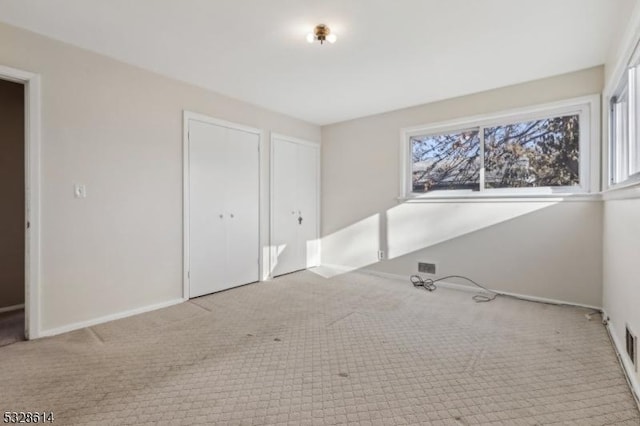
[(624, 129)]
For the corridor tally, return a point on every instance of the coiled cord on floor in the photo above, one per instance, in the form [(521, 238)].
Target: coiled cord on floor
[(430, 285)]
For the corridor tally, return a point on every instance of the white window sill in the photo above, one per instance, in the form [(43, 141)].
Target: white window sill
[(623, 191), (500, 198)]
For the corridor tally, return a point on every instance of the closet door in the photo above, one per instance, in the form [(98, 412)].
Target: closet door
[(284, 232), (307, 200), (294, 234), (223, 208), (207, 221), (242, 185)]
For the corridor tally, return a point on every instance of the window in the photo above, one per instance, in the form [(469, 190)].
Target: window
[(624, 126), (540, 151), (446, 161), (537, 153)]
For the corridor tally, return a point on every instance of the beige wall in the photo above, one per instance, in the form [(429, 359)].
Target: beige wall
[(550, 250), (621, 233), (621, 254), (622, 47), (12, 190), (118, 130)]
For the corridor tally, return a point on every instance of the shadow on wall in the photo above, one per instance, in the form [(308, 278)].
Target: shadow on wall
[(549, 249)]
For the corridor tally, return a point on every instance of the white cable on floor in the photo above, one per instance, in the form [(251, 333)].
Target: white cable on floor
[(430, 285)]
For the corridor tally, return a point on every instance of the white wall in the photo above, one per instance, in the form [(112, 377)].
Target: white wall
[(621, 273), (550, 250), (621, 231), (117, 129)]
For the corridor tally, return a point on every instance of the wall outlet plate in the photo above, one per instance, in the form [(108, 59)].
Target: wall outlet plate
[(427, 268), (380, 254)]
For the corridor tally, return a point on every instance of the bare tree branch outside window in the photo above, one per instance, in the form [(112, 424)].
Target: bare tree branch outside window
[(536, 153), (533, 153), (449, 161)]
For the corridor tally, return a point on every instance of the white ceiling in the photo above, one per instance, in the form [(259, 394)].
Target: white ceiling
[(390, 54)]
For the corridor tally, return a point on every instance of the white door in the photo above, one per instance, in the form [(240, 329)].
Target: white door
[(223, 208), (207, 225), (284, 233), (294, 234), (242, 213), (308, 204)]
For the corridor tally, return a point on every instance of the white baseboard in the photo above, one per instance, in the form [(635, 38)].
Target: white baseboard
[(551, 301), (474, 289), (11, 308), (405, 279), (107, 318), (627, 366), (461, 287)]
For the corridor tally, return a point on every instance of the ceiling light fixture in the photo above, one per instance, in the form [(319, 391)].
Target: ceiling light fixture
[(321, 33)]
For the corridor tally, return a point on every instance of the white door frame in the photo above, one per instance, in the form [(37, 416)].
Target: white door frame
[(272, 248), (32, 104), (186, 118)]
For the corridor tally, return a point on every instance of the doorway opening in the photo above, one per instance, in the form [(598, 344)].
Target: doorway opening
[(20, 160), (13, 212)]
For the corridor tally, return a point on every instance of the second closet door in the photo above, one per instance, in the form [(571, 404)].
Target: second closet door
[(242, 207), (294, 234)]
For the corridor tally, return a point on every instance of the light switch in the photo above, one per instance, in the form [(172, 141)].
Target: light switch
[(80, 190)]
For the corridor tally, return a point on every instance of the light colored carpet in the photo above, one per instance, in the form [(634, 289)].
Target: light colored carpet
[(303, 349), (11, 327)]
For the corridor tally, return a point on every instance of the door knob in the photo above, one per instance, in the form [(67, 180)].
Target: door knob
[(231, 215), (221, 216), (299, 220)]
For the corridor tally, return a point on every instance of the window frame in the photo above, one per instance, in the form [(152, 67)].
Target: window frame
[(588, 109), (623, 165), (618, 150)]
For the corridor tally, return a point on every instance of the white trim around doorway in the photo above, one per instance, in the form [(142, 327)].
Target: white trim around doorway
[(31, 83)]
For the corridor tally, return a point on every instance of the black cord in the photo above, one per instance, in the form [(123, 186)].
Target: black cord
[(430, 285), (417, 281)]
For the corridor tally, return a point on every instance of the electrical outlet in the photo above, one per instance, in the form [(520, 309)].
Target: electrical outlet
[(380, 254), (427, 268)]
